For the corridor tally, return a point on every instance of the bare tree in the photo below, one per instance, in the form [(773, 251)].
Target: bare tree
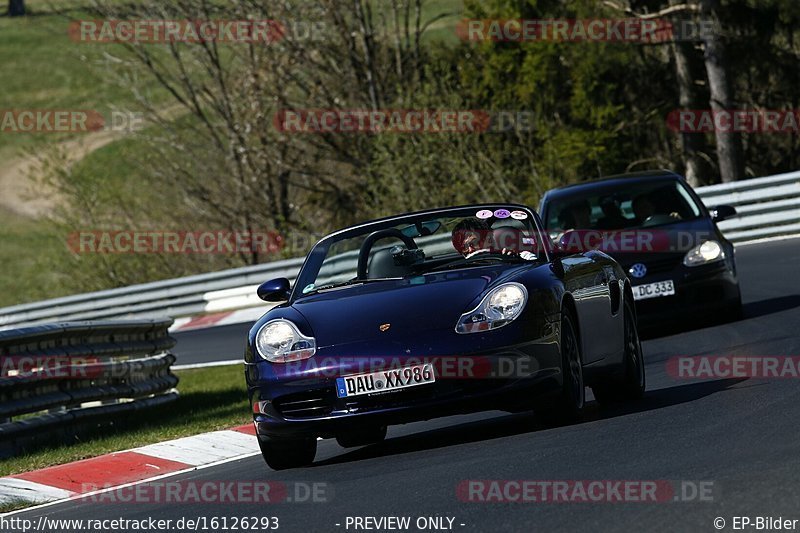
[(217, 158), (729, 144), (729, 150)]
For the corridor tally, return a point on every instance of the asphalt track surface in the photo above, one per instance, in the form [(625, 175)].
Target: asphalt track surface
[(742, 435), (221, 343)]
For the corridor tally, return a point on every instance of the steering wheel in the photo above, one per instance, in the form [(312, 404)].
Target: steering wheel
[(372, 238)]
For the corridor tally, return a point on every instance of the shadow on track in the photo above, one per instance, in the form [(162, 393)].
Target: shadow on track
[(750, 310), (771, 306), (518, 424)]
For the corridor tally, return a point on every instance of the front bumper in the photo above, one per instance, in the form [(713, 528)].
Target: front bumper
[(700, 291), (304, 404)]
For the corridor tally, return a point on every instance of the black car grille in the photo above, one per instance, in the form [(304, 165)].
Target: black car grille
[(323, 402), (440, 390), (659, 265), (308, 404)]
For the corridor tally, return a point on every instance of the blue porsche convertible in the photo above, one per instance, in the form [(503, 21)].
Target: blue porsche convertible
[(435, 313)]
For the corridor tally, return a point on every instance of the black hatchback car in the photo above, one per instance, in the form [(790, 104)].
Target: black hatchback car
[(657, 228)]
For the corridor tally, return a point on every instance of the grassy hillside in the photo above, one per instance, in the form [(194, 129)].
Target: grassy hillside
[(44, 69)]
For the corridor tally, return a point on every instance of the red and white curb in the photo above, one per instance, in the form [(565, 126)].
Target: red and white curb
[(219, 319), (131, 466)]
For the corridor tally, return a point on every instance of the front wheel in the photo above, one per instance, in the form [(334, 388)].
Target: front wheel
[(734, 311), (572, 398), (280, 454), (631, 386)]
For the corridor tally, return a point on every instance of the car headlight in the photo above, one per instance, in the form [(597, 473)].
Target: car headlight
[(279, 341), (498, 308), (707, 252)]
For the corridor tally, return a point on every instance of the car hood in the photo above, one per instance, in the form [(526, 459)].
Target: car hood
[(428, 302), (665, 245)]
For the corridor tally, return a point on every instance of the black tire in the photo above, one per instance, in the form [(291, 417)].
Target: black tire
[(362, 437), (632, 385), (734, 312), (571, 400), (280, 454)]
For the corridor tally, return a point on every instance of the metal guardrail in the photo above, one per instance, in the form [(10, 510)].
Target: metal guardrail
[(59, 380), (175, 297), (767, 207)]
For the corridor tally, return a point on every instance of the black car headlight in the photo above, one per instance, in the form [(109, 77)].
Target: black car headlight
[(708, 252), (499, 307), (279, 341)]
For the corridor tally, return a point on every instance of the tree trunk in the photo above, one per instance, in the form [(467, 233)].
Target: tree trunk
[(16, 8), (729, 144), (693, 144)]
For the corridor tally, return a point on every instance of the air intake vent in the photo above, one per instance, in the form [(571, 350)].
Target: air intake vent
[(309, 404)]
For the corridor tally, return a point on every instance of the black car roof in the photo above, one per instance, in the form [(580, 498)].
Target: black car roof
[(610, 182)]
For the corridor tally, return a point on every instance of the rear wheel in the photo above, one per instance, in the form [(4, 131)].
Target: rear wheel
[(631, 386), (361, 437), (570, 402), (280, 454)]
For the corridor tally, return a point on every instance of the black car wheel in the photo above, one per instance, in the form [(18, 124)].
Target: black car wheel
[(734, 311), (280, 454), (361, 437), (632, 385), (572, 398)]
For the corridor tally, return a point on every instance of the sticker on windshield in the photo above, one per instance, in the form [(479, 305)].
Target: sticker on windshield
[(484, 214), (502, 213), (309, 288), (519, 215)]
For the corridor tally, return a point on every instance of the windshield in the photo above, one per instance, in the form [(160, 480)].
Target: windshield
[(641, 204), (417, 244)]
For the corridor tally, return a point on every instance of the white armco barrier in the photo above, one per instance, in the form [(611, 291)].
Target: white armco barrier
[(766, 207)]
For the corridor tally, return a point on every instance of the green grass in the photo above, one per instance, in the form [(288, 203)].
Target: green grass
[(13, 505), (211, 399), (25, 247), (44, 69)]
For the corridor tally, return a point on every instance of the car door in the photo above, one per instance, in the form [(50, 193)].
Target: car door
[(588, 282)]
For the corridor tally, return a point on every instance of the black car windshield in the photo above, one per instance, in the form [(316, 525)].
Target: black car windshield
[(419, 243), (637, 205)]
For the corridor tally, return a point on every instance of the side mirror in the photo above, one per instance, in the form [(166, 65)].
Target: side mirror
[(571, 242), (722, 212), (274, 290)]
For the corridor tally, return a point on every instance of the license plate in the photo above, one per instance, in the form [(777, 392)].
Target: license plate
[(653, 290), (385, 380)]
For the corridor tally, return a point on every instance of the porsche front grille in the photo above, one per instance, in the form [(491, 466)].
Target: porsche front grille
[(309, 404)]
